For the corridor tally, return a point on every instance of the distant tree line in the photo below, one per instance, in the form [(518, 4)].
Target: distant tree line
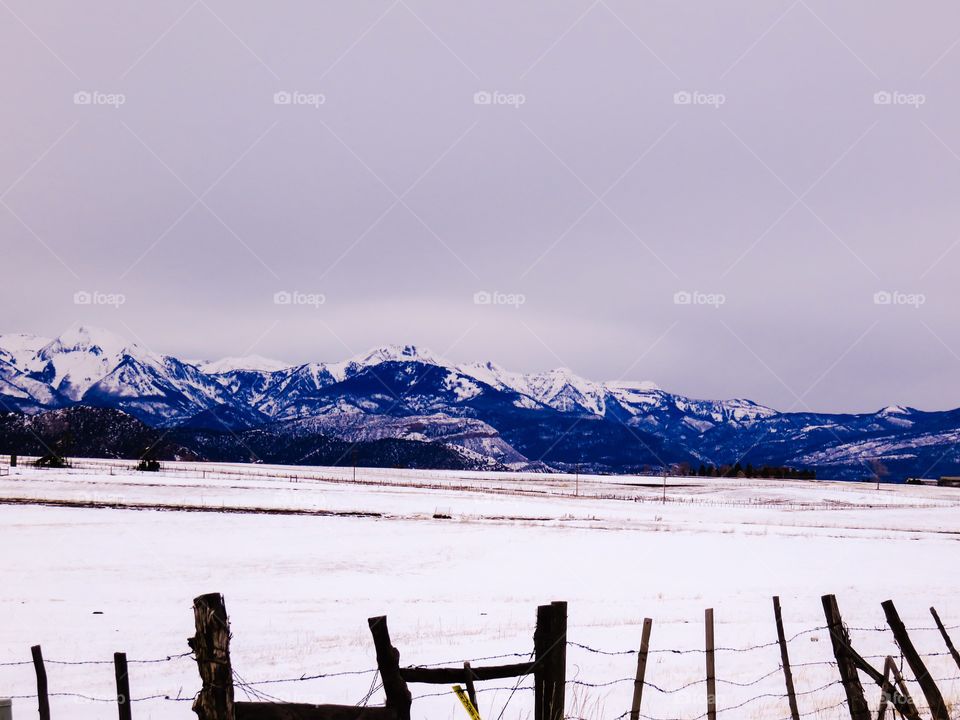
[(763, 471)]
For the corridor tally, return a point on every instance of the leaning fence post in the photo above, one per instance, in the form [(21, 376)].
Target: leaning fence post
[(886, 687), (893, 679), (123, 685), (859, 710), (641, 669), (388, 662), (471, 688), (946, 637), (711, 667), (43, 700), (211, 646), (785, 660), (930, 690), (550, 664)]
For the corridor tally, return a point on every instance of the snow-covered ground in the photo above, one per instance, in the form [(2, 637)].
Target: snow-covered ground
[(84, 580)]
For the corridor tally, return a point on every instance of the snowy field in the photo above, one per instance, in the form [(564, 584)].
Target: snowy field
[(91, 567)]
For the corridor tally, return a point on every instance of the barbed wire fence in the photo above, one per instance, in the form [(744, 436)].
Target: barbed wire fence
[(814, 701)]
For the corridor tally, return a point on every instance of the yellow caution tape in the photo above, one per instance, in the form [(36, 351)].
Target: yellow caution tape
[(465, 701)]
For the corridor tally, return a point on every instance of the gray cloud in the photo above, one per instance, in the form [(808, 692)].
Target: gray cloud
[(795, 158)]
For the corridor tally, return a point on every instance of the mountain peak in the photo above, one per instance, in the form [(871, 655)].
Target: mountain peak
[(79, 357), (894, 410), (396, 353), (85, 338)]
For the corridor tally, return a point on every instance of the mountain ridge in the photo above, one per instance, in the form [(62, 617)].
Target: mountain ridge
[(543, 420)]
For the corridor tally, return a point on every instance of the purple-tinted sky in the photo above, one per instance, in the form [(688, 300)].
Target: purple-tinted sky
[(591, 165)]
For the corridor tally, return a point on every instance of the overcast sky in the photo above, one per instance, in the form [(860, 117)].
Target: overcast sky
[(706, 195)]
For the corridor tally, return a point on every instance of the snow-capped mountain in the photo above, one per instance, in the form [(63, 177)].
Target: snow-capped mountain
[(18, 349), (99, 368), (78, 358), (22, 393), (488, 415), (559, 389)]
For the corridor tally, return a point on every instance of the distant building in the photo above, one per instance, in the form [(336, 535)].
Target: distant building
[(949, 482)]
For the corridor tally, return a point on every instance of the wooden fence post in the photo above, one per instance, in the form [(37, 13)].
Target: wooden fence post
[(891, 675), (471, 688), (43, 700), (886, 687), (641, 669), (946, 637), (785, 660), (123, 685), (550, 664), (859, 710), (711, 666), (211, 645), (395, 687), (930, 690)]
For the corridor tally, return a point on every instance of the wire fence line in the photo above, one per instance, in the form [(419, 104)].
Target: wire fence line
[(509, 688), (154, 661), (532, 484), (698, 651), (253, 689)]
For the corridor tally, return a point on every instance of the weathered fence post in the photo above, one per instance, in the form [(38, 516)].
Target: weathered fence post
[(946, 637), (395, 687), (888, 692), (471, 688), (211, 646), (641, 669), (550, 664), (859, 710), (785, 660), (43, 700), (886, 688), (123, 685), (930, 690), (711, 667)]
